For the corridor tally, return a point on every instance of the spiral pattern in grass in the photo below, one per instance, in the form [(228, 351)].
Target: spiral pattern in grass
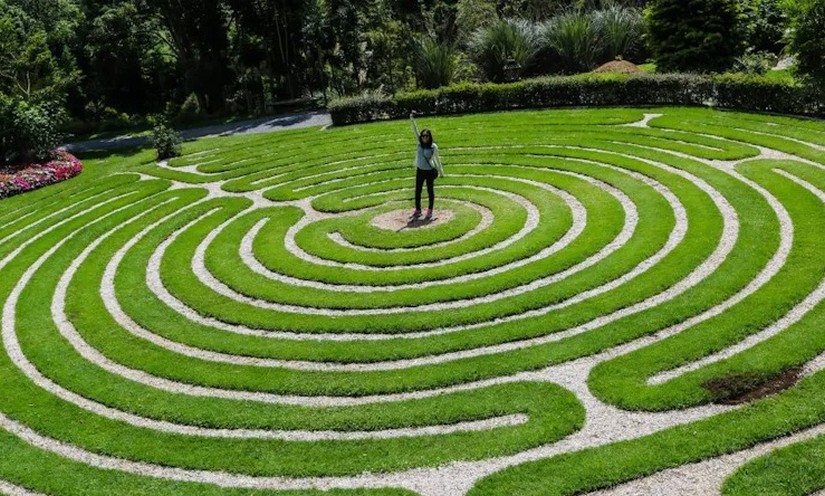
[(603, 297)]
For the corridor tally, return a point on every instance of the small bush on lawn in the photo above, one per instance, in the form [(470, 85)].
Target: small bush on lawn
[(165, 139)]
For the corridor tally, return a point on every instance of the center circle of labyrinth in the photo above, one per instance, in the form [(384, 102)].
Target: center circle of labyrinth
[(398, 220), (260, 313)]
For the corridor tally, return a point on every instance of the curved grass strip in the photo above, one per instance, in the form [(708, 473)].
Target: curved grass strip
[(455, 315), (612, 464), (794, 470), (623, 386), (38, 469)]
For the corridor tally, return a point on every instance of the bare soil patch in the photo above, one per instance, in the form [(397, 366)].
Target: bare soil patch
[(736, 389)]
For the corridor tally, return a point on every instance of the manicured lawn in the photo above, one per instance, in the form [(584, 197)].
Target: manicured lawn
[(237, 322)]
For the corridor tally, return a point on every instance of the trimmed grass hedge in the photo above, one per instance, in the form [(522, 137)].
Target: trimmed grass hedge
[(749, 93)]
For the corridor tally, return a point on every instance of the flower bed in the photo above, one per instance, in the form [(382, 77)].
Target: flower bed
[(20, 179)]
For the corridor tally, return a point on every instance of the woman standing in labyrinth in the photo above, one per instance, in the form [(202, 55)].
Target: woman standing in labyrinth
[(427, 168)]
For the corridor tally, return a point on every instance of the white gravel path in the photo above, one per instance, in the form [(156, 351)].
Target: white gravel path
[(645, 122), (12, 490)]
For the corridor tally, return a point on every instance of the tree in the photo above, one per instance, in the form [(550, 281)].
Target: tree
[(198, 32), (808, 41), (472, 15), (28, 68), (126, 61), (695, 35), (766, 25), (272, 37)]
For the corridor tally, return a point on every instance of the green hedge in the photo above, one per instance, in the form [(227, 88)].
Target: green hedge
[(741, 92)]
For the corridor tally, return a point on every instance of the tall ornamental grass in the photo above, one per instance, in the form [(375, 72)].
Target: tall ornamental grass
[(575, 40), (436, 64), (579, 41), (505, 48)]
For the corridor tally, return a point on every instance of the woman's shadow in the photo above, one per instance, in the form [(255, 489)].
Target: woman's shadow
[(418, 223)]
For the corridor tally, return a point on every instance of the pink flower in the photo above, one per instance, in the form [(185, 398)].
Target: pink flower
[(31, 176)]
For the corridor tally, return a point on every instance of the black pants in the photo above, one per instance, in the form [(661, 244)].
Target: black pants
[(421, 176)]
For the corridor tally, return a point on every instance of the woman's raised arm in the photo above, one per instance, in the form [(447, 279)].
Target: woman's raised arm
[(414, 127)]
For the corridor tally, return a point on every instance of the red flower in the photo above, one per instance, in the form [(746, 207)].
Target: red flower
[(31, 176)]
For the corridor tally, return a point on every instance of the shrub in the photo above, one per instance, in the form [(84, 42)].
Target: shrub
[(504, 44), (808, 42), (436, 64), (189, 111), (749, 92), (165, 139), (758, 63), (729, 91), (694, 35), (28, 130)]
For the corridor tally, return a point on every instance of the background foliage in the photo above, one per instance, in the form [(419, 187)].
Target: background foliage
[(109, 64)]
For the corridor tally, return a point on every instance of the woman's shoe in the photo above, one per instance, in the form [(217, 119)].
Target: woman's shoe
[(429, 215), (415, 215)]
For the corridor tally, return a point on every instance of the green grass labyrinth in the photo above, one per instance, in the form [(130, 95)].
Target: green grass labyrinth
[(627, 301)]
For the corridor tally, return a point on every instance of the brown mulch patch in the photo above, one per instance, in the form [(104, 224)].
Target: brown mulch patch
[(620, 67), (735, 389)]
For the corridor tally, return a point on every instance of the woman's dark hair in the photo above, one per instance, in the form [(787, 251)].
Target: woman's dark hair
[(426, 132)]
